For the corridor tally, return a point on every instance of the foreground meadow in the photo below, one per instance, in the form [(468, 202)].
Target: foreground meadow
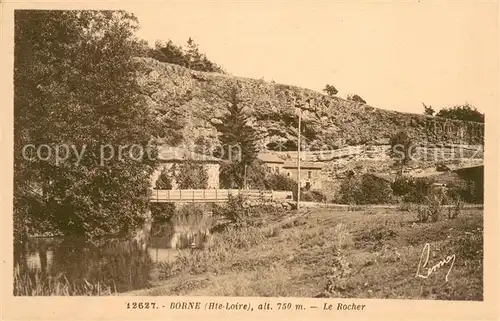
[(374, 253)]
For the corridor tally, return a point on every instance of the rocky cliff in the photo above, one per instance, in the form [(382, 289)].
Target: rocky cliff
[(195, 100), (344, 136)]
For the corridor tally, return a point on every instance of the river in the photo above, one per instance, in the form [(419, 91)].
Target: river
[(119, 265)]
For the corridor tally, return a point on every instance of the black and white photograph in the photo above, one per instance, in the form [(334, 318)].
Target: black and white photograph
[(321, 150)]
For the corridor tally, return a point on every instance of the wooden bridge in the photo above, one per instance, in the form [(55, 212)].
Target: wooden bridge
[(216, 195)]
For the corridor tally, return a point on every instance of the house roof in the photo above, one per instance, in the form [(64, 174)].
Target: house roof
[(308, 165), (178, 154), (270, 158)]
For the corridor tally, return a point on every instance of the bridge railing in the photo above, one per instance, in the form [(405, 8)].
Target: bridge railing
[(215, 195)]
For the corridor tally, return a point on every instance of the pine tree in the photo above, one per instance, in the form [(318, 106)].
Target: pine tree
[(239, 141), (193, 55)]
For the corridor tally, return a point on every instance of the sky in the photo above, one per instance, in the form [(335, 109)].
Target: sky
[(395, 55)]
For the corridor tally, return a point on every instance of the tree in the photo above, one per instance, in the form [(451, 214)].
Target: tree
[(356, 98), (168, 52), (162, 212), (193, 55), (75, 86), (191, 175), (462, 112), (401, 149), (189, 57), (330, 90), (428, 110), (238, 139)]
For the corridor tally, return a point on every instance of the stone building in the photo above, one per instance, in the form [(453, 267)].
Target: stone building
[(310, 172), (272, 161), (169, 156)]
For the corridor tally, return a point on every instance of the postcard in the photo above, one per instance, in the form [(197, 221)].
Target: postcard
[(219, 160)]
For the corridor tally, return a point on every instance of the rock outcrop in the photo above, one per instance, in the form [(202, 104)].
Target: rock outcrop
[(196, 101), (355, 136)]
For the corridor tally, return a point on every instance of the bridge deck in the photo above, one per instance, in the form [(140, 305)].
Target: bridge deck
[(215, 195)]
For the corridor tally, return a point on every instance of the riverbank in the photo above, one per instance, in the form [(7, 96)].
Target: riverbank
[(373, 253)]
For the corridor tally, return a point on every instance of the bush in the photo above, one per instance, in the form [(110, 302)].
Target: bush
[(239, 214), (432, 210), (467, 191), (233, 211), (456, 209), (312, 196), (350, 191), (162, 212), (365, 189), (412, 190), (462, 112), (402, 186), (280, 182), (190, 175)]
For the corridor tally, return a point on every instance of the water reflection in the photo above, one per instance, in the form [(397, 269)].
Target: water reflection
[(120, 265)]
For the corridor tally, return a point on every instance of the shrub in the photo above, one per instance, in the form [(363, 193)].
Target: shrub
[(233, 211), (191, 175), (356, 98), (432, 210), (162, 212), (435, 204), (412, 190), (350, 191), (422, 214), (330, 90), (402, 186), (280, 182), (469, 247), (365, 189), (312, 196), (456, 209), (462, 112), (468, 191)]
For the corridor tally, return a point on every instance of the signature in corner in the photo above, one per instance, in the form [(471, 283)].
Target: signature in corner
[(430, 270)]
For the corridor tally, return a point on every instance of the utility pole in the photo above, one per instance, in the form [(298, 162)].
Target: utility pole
[(245, 178), (301, 107), (298, 154)]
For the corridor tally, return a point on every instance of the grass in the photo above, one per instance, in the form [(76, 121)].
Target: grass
[(36, 283), (332, 253)]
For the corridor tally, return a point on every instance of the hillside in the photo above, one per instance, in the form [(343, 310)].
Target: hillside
[(194, 101)]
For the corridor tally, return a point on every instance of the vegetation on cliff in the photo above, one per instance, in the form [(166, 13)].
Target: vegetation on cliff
[(188, 56), (464, 112)]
